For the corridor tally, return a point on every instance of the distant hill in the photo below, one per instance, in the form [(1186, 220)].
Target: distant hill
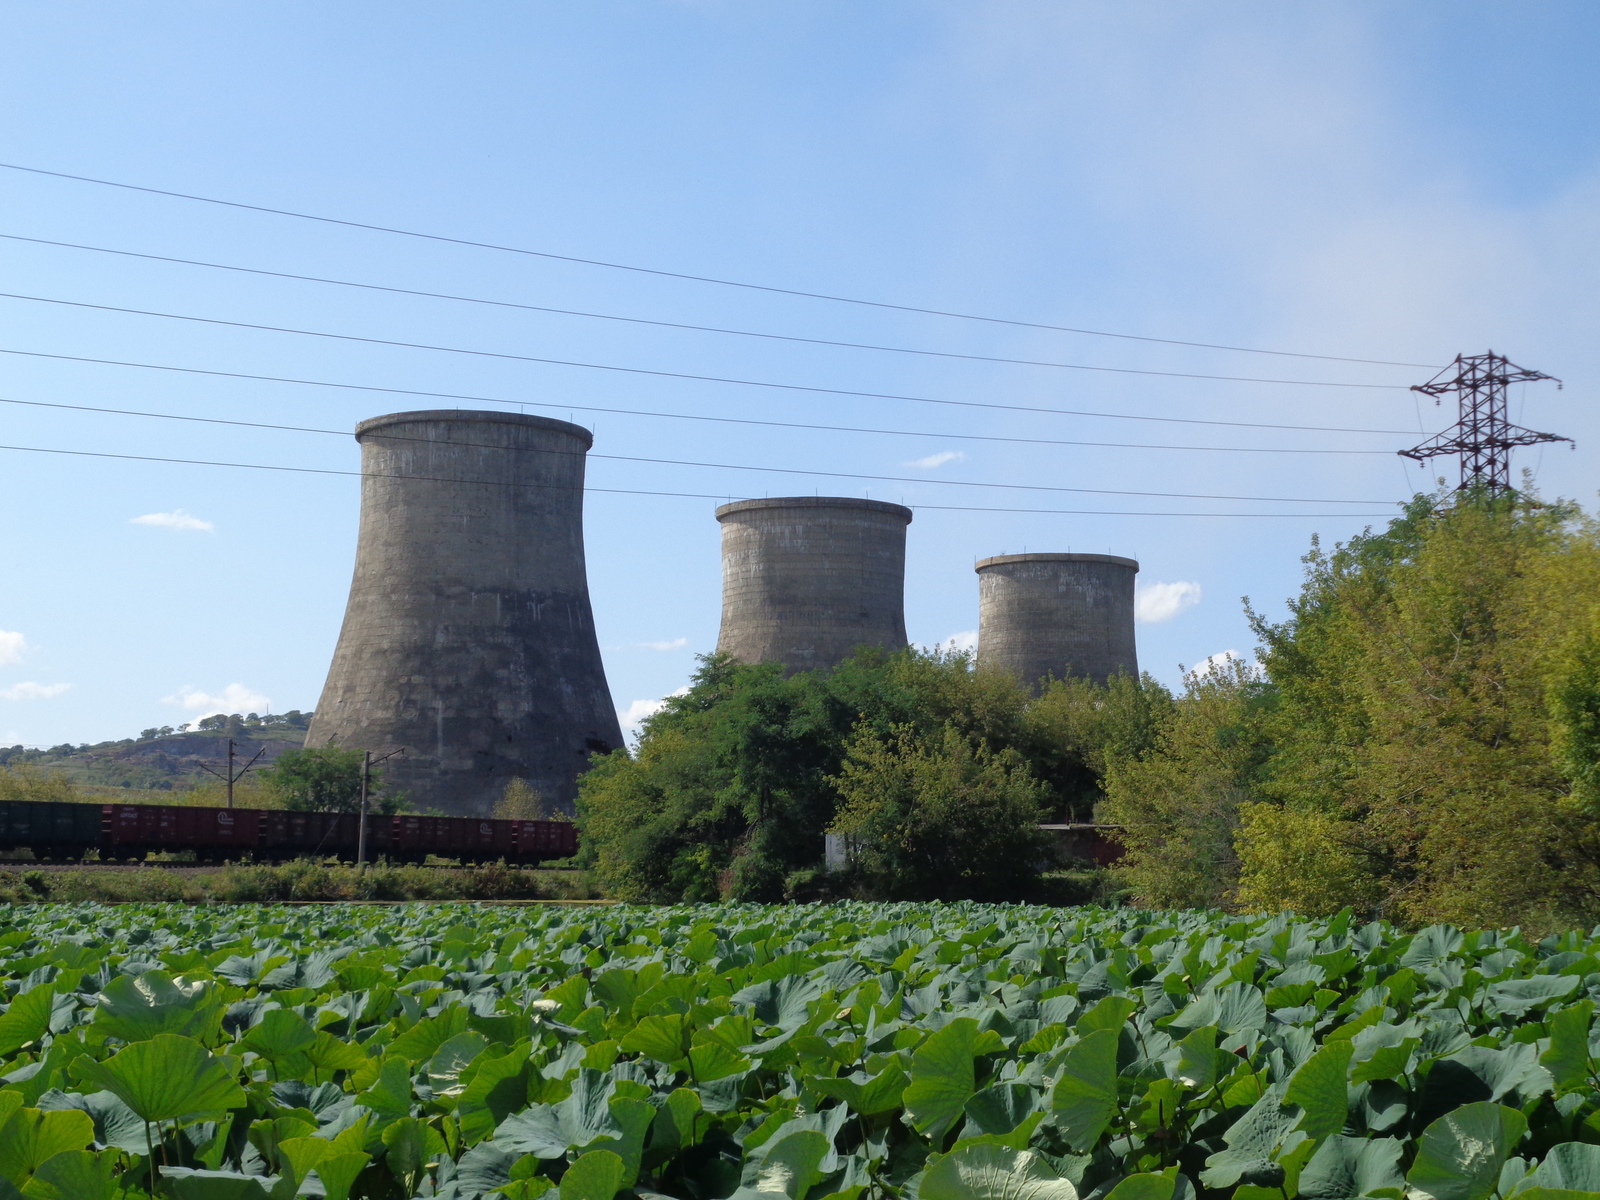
[(164, 758)]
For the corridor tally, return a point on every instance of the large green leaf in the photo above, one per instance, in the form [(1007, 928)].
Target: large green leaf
[(1085, 1095), (987, 1172), (422, 1041), (498, 1088), (1570, 1166), (1258, 1144), (409, 1145), (135, 1008), (942, 1077), (74, 1175), (29, 1137), (27, 1019), (1514, 997), (1162, 1185), (1319, 1088), (1568, 1059), (787, 1166), (1110, 1013), (664, 1038), (450, 1060), (1199, 1058), (1344, 1166), (1460, 1155), (868, 1095), (596, 1175), (166, 1078), (280, 1033), (186, 1183), (115, 1124)]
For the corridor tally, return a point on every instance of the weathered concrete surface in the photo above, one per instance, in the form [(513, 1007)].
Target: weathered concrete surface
[(469, 638), (807, 579), (1057, 614)]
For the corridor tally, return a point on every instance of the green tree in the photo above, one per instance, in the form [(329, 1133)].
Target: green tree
[(24, 781), (1177, 799), (521, 801), (732, 785), (939, 818), (325, 779), (1076, 728)]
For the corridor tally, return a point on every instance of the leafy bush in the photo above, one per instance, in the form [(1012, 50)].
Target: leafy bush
[(302, 880), (1426, 723), (941, 1052), (734, 782), (940, 819), (326, 779), (28, 782)]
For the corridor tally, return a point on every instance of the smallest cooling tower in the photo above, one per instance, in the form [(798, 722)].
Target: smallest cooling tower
[(1057, 614), (807, 579)]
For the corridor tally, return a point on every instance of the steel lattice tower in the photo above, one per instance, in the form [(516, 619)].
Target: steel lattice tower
[(1483, 436)]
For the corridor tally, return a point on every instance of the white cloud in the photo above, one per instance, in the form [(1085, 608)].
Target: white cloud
[(936, 460), (1220, 661), (235, 698), (675, 644), (966, 640), (11, 646), (1159, 602), (176, 519), (633, 716), (33, 691)]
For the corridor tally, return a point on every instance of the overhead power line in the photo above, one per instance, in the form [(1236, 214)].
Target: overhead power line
[(194, 462), (673, 462), (632, 412), (781, 291), (562, 362), (569, 312)]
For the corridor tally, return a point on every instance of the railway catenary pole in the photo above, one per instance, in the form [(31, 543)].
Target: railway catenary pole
[(367, 763), (230, 778)]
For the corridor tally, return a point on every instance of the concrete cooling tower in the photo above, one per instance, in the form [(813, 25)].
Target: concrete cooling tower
[(807, 579), (469, 638), (1057, 614)]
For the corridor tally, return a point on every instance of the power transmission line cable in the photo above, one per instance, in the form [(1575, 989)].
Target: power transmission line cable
[(567, 312), (1065, 412), (195, 462), (759, 287), (562, 362), (728, 420), (673, 462)]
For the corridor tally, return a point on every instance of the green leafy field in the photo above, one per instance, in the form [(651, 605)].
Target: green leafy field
[(960, 1052)]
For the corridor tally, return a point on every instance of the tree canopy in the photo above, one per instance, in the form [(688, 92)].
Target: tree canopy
[(1420, 737), (943, 770)]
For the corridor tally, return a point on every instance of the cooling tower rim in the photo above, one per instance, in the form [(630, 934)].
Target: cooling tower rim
[(486, 416), (1001, 560), (879, 506)]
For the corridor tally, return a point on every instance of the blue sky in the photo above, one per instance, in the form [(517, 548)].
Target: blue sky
[(1369, 180)]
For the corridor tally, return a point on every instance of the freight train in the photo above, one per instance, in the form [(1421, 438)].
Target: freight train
[(130, 831)]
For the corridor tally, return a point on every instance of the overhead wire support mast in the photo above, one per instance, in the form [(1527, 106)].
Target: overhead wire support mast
[(231, 778), (1483, 434)]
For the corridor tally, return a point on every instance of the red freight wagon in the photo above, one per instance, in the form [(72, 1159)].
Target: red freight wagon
[(317, 834), (540, 840), (492, 838), (415, 838), (213, 832)]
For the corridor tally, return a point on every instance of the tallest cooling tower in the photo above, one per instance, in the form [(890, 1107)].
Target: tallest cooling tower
[(469, 639)]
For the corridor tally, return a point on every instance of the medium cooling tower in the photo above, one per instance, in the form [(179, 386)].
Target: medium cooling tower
[(807, 579), (468, 638), (1057, 614)]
